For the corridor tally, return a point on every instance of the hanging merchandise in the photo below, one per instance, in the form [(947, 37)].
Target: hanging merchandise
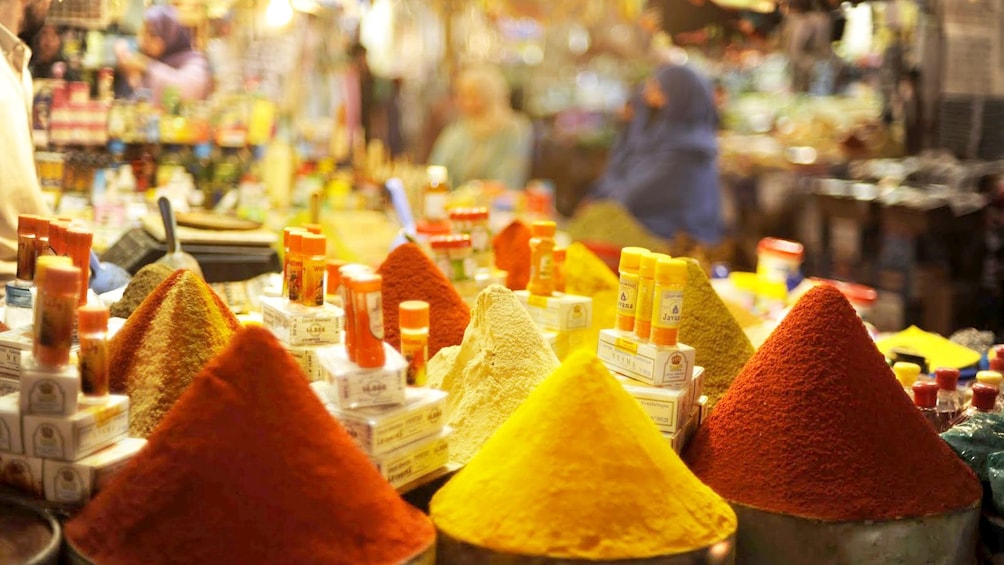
[(164, 344), (248, 467), (580, 472), (502, 359)]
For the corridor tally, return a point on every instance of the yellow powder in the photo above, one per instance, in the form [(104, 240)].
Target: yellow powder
[(179, 328), (502, 358), (587, 275), (743, 317), (581, 472), (608, 222), (708, 326)]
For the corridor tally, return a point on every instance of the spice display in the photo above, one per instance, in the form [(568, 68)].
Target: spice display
[(164, 344), (367, 304), (140, 286), (608, 222), (512, 254), (314, 250), (408, 274), (722, 346), (818, 388), (55, 310), (93, 332), (248, 467), (536, 481), (541, 281), (667, 301), (294, 266), (587, 275), (503, 357), (414, 316), (627, 293)]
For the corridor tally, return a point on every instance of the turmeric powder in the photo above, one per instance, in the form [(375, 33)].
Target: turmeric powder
[(587, 275), (537, 481)]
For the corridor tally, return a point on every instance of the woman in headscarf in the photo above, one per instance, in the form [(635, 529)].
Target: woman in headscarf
[(489, 141), (663, 167), (166, 58)]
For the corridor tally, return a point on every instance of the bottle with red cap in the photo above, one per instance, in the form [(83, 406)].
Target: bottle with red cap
[(925, 396), (949, 404), (984, 401)]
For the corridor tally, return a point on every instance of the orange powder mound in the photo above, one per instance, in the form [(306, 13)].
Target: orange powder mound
[(249, 468), (180, 326), (512, 254), (409, 274)]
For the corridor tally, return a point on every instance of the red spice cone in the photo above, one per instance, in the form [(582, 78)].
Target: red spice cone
[(512, 254), (170, 337), (409, 274), (816, 425), (249, 468)]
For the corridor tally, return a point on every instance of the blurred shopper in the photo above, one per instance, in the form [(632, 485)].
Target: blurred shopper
[(663, 167), (166, 58), (19, 189), (488, 140), (47, 59), (806, 40)]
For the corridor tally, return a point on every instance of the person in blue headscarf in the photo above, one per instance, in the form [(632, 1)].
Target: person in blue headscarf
[(663, 166)]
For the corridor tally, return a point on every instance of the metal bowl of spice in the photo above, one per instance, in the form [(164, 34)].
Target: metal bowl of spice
[(456, 552), (770, 537), (28, 534)]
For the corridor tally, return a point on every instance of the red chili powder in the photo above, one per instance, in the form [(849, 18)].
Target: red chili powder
[(249, 468), (816, 425), (409, 274), (512, 254)]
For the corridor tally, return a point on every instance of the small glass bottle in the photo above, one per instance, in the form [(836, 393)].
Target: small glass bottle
[(26, 249), (414, 320), (646, 295), (55, 311), (542, 258), (667, 307), (949, 404), (315, 248), (984, 401), (332, 294), (92, 324), (906, 374), (627, 293), (436, 194), (997, 364), (294, 266), (473, 222), (286, 233), (368, 306), (925, 397), (454, 256)]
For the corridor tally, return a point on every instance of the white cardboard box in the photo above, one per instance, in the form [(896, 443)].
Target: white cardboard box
[(22, 473), (294, 324), (53, 392), (13, 344), (669, 408), (306, 357), (355, 387), (71, 438), (9, 385), (678, 441), (414, 460), (10, 424), (659, 366), (559, 312), (381, 429), (76, 483)]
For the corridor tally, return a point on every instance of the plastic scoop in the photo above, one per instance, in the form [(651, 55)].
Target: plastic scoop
[(175, 257), (106, 277), (399, 199)]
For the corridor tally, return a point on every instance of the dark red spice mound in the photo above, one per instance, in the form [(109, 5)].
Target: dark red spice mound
[(249, 468), (816, 425)]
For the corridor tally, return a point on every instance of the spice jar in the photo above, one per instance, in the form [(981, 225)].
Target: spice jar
[(542, 258), (454, 256), (413, 316), (473, 222), (627, 293), (314, 250), (367, 299), (436, 194), (55, 309), (92, 323), (667, 305)]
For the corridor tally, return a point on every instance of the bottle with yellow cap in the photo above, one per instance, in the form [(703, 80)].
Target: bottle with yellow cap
[(542, 258), (314, 250), (627, 293), (92, 323), (646, 295), (667, 308), (414, 320), (906, 374)]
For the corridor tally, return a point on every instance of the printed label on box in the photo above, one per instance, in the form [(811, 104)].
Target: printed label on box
[(659, 366), (22, 473), (378, 430), (45, 397), (296, 325), (560, 312), (414, 460)]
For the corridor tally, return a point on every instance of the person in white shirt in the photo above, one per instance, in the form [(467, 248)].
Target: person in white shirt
[(20, 192)]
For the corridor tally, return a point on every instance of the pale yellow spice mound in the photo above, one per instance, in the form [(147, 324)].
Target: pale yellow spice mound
[(502, 358), (581, 472)]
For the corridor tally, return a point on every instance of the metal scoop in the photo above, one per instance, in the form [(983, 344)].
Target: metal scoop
[(175, 257)]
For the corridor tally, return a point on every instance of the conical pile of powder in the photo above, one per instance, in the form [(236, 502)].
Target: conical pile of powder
[(166, 342), (502, 359), (581, 472), (816, 425), (140, 286), (606, 221), (512, 254), (587, 275), (249, 468), (709, 327), (409, 274)]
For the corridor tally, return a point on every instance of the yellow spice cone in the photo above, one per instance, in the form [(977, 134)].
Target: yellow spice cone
[(587, 275), (579, 471)]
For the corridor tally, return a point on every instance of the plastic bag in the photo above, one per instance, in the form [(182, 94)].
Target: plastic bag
[(995, 468), (976, 439)]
